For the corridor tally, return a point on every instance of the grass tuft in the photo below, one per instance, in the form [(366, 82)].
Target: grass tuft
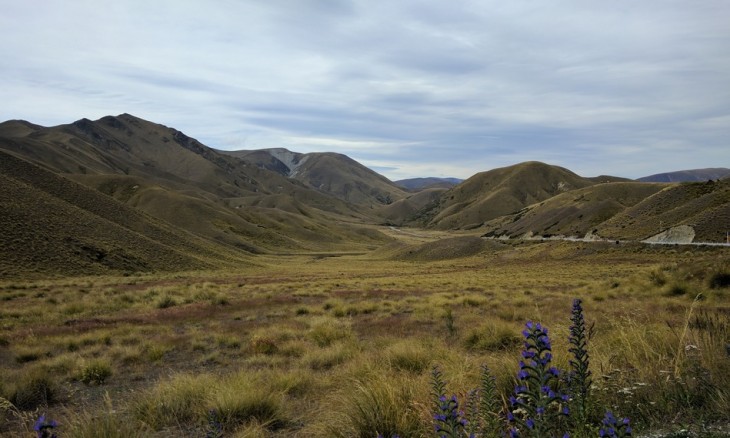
[(95, 372), (382, 405), (719, 280), (492, 336), (35, 388), (179, 400), (326, 331)]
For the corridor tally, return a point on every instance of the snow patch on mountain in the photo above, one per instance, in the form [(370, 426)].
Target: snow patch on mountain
[(292, 160)]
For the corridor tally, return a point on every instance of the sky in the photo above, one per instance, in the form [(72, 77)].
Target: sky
[(408, 88)]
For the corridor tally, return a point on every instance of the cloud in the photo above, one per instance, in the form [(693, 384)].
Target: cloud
[(626, 88)]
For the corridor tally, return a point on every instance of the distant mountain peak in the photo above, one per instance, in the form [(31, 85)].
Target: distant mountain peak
[(427, 182), (692, 175)]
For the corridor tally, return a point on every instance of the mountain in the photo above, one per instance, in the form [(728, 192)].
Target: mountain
[(688, 175), (174, 178), (121, 194), (488, 195), (327, 172), (415, 184), (53, 226)]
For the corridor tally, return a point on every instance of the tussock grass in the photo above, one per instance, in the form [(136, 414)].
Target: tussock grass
[(719, 280), (180, 399), (34, 389), (356, 360), (95, 372), (108, 423), (187, 399), (409, 356), (377, 405), (329, 356), (246, 397), (493, 335), (324, 331)]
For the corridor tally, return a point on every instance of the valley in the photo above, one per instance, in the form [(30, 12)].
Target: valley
[(153, 286)]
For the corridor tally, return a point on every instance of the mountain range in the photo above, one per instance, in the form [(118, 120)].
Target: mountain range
[(688, 175), (122, 194)]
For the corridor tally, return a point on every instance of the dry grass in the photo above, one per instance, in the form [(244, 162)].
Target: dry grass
[(343, 346)]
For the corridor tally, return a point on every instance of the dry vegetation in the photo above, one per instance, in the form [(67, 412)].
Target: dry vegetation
[(317, 346)]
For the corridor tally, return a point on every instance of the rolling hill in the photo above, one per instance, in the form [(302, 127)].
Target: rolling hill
[(53, 226), (536, 199), (172, 177), (574, 213), (489, 195), (334, 174), (703, 206), (122, 194)]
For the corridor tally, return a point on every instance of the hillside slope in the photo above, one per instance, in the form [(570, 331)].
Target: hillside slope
[(53, 226), (489, 195), (334, 174), (574, 213), (703, 206), (176, 178), (406, 210)]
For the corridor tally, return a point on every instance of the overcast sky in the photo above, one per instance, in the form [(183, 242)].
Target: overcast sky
[(409, 88)]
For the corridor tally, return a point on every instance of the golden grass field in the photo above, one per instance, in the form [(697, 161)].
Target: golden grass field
[(323, 345)]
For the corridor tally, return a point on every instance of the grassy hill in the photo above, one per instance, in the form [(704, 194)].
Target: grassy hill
[(121, 194), (52, 226), (173, 177), (405, 210), (704, 206), (159, 172), (574, 213), (489, 195), (330, 173)]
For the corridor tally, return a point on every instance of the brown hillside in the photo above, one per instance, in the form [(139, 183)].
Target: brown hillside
[(53, 226), (573, 213), (488, 195), (348, 180), (405, 210), (175, 178), (705, 206), (330, 173)]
